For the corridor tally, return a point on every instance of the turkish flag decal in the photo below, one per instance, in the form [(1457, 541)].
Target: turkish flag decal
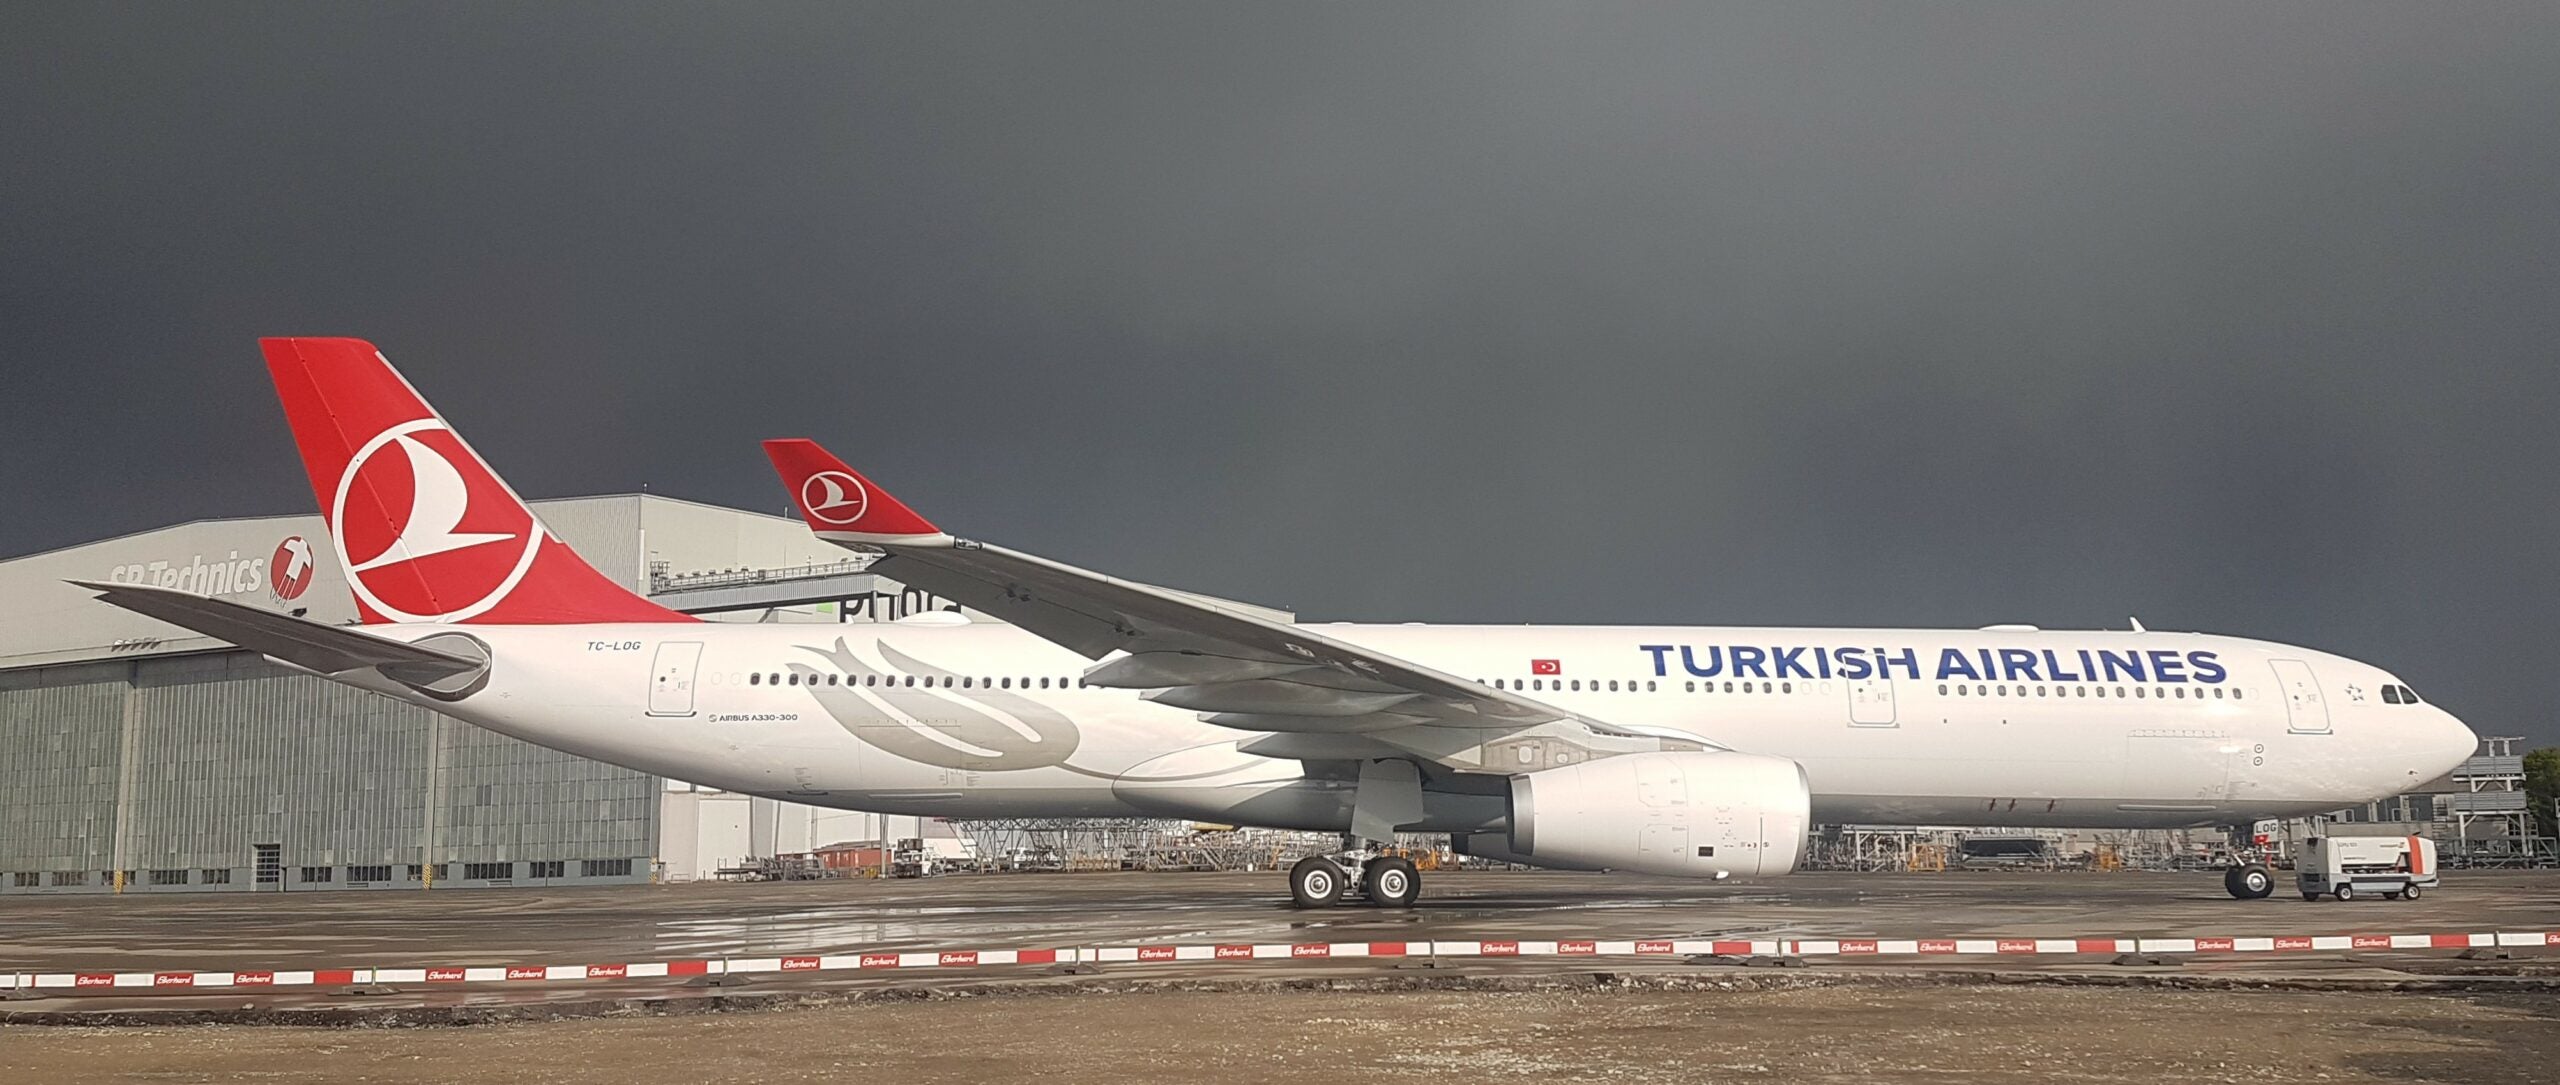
[(1546, 666)]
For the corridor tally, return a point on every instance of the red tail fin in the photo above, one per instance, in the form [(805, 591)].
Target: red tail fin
[(841, 505), (425, 531)]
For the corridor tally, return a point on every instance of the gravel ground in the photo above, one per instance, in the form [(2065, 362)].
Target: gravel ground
[(1972, 1034)]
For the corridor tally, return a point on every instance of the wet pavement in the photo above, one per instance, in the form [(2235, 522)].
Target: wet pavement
[(498, 928)]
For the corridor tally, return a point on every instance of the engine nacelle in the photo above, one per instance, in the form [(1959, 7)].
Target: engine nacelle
[(1687, 814)]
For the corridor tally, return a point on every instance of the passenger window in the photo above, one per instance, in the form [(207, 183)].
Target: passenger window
[(1613, 685), (795, 678), (2039, 691), (1942, 689), (2140, 692), (1728, 687), (1577, 685), (2235, 695), (1980, 690), (752, 680), (1787, 687), (1648, 685)]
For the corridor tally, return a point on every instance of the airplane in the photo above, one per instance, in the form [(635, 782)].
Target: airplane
[(1704, 752)]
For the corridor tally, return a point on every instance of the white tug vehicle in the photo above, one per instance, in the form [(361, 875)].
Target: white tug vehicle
[(2398, 867)]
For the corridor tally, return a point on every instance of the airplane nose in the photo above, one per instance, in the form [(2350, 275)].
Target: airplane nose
[(2456, 741)]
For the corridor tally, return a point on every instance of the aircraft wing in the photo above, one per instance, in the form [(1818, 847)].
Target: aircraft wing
[(1235, 665), (327, 649)]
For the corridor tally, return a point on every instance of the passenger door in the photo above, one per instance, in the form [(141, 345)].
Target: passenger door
[(2306, 712), (1871, 702), (671, 678)]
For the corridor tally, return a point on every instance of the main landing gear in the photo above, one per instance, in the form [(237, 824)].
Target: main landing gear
[(1322, 881)]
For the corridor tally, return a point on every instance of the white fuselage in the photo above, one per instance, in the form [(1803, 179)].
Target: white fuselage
[(2101, 729)]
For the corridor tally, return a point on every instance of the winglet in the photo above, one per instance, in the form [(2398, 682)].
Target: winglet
[(840, 505)]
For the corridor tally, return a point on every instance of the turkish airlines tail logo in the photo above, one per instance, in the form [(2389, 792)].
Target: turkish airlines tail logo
[(840, 504), (438, 498), (835, 497), (425, 531)]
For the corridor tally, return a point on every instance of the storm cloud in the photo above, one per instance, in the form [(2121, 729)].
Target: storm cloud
[(2234, 317)]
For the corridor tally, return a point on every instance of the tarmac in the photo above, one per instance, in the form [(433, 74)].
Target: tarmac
[(1207, 976), (1814, 928)]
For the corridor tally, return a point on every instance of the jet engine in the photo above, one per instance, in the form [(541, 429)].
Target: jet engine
[(1689, 814)]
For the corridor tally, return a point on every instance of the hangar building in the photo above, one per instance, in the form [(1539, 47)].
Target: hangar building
[(138, 757)]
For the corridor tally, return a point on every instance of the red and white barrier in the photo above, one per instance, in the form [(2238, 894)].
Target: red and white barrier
[(135, 982)]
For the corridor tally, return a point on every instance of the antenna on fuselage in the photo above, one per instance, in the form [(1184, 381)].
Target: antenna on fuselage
[(2137, 624)]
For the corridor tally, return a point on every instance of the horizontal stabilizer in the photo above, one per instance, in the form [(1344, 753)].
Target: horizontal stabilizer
[(327, 649)]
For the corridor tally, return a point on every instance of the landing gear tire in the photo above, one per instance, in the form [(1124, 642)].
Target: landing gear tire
[(2409, 893), (1316, 882), (2346, 892), (2311, 896), (2251, 882), (1391, 882)]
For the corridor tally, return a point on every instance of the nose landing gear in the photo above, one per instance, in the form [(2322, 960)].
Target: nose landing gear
[(2253, 881)]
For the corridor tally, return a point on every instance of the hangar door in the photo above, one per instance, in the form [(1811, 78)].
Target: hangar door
[(671, 678)]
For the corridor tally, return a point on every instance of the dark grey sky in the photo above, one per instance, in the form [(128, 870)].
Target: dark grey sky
[(2235, 317)]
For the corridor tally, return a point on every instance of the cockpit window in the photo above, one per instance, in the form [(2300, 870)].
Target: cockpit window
[(2409, 696), (2391, 695)]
